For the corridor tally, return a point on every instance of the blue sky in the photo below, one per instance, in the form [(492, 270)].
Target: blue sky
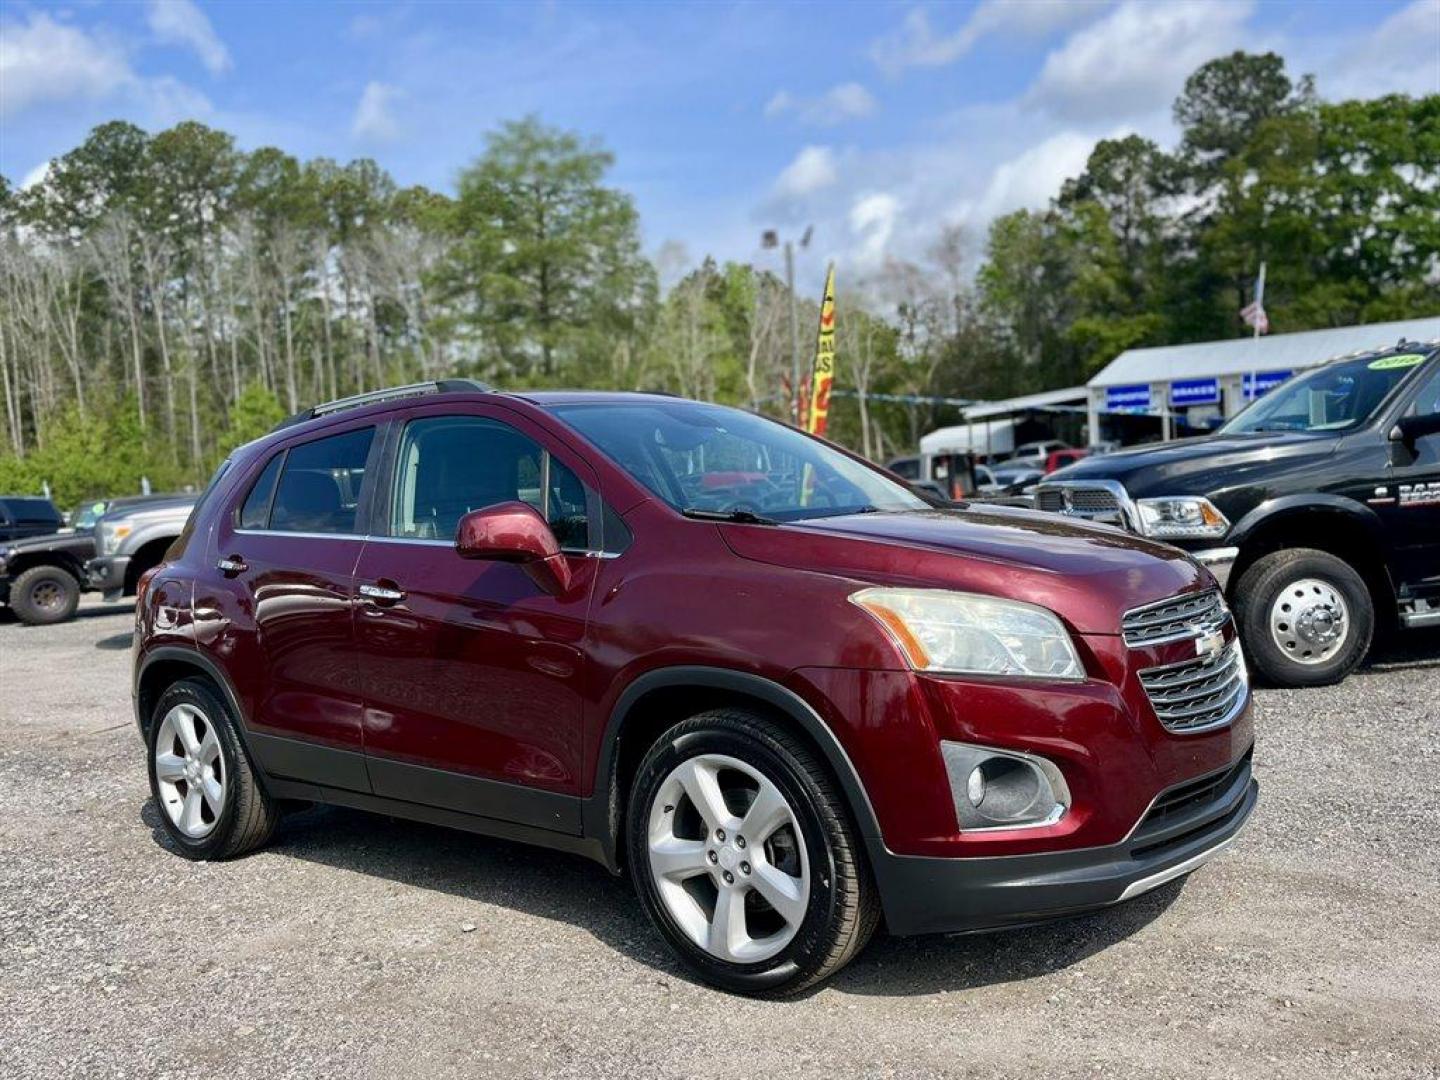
[(874, 122)]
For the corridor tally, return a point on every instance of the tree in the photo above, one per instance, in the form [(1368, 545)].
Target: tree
[(547, 257)]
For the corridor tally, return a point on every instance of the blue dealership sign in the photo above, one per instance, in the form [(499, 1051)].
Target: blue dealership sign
[(1195, 392), (1265, 381), (1128, 398)]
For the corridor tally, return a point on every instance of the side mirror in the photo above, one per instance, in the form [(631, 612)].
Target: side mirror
[(514, 532), (1410, 428)]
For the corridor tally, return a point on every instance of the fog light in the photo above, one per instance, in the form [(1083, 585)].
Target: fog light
[(975, 786), (1003, 789)]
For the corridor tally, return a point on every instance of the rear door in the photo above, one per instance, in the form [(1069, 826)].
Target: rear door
[(472, 671), (284, 577)]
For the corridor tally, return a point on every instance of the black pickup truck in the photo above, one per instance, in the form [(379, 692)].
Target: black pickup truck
[(1317, 508)]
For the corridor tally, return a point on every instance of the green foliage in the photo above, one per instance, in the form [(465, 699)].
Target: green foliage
[(165, 297)]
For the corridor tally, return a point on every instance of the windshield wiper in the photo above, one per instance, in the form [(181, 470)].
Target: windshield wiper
[(742, 517)]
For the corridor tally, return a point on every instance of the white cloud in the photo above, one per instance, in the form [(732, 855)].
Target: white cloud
[(812, 170), (847, 101), (35, 176), (45, 61), (1402, 56), (180, 22), (916, 44), (872, 223), (375, 115), (1033, 178), (1135, 60)]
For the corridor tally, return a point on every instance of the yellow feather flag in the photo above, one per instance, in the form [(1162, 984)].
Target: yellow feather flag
[(823, 374)]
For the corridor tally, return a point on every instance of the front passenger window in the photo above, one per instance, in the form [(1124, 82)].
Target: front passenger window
[(451, 465)]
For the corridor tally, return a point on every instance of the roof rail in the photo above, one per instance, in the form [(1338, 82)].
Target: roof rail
[(391, 393)]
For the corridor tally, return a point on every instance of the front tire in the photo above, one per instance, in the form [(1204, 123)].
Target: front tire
[(744, 858), (43, 595), (1306, 617), (211, 803)]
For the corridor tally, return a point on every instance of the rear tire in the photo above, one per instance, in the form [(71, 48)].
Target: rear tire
[(709, 890), (205, 786), (43, 595), (1306, 617)]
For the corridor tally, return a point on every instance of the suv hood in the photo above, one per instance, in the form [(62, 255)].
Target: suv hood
[(1087, 574), (1203, 465)]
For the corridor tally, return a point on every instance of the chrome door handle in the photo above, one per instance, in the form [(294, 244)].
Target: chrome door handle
[(231, 564), (381, 595)]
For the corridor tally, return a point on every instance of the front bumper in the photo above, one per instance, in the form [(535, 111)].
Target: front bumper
[(107, 573), (1184, 827), (1219, 561)]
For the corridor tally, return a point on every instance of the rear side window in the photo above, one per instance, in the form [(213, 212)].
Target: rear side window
[(319, 486), (255, 513), (451, 465)]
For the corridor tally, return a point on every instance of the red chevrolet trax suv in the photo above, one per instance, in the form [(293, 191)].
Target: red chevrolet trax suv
[(781, 692)]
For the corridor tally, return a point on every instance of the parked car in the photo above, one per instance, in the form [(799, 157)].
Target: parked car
[(27, 515), (1318, 508), (907, 468), (42, 577), (1059, 459), (784, 707), (131, 540), (1012, 478), (1036, 452)]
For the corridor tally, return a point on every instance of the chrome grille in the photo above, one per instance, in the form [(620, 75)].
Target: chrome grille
[(1196, 695), (1103, 502), (1189, 616)]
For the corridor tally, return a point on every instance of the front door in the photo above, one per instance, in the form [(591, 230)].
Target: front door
[(284, 595), (1412, 514), (472, 671)]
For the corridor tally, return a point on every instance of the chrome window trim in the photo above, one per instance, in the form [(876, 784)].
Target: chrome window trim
[(579, 553)]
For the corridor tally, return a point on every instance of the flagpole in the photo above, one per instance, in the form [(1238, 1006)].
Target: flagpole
[(1260, 306)]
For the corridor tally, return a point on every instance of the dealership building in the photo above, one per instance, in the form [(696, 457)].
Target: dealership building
[(1159, 393), (1182, 389)]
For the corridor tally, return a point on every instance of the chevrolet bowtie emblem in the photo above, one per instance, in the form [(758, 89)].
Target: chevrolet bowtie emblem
[(1209, 644)]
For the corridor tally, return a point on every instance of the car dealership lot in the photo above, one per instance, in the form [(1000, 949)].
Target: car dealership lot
[(372, 947)]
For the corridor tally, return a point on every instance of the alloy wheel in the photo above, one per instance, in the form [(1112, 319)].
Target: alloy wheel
[(47, 595), (1309, 621), (190, 771), (728, 858)]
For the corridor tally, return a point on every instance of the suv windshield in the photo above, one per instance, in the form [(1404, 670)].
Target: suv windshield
[(710, 459), (1335, 397)]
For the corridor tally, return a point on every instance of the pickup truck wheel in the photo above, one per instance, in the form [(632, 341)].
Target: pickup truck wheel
[(44, 594), (1305, 616), (211, 803), (744, 858)]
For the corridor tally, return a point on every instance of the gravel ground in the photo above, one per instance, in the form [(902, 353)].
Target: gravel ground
[(361, 946)]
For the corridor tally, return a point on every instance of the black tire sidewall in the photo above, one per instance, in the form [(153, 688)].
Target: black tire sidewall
[(1263, 584), (196, 693), (24, 586), (807, 950)]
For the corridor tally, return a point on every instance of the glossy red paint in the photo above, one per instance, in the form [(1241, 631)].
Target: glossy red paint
[(514, 532), (484, 670)]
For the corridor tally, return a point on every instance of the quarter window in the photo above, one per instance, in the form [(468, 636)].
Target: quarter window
[(451, 465), (319, 487)]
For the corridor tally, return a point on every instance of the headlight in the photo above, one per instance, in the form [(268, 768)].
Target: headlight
[(110, 537), (962, 633), (1180, 517)]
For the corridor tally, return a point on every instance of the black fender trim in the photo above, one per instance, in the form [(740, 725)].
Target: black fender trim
[(602, 809), (194, 657), (1307, 502)]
